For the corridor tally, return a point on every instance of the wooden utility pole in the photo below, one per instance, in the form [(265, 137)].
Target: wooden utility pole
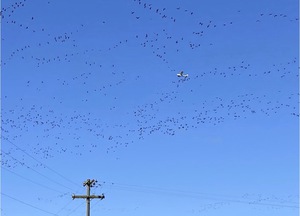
[(88, 183)]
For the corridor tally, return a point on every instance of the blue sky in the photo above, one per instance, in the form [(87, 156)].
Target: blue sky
[(89, 90)]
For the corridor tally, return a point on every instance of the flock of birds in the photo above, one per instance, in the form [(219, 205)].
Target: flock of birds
[(101, 84), (149, 118)]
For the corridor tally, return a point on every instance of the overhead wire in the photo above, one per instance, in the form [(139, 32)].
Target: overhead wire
[(23, 164), (30, 205), (34, 182), (217, 197), (65, 206), (72, 211), (46, 166)]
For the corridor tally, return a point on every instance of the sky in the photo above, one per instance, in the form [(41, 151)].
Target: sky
[(89, 90)]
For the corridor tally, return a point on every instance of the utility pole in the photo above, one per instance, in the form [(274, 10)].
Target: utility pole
[(88, 183)]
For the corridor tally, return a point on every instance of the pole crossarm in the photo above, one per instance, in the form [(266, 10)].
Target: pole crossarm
[(88, 197)]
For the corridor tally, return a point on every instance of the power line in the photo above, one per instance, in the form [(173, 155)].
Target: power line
[(34, 182), (64, 207), (196, 195), (75, 209), (32, 206), (57, 173), (23, 164)]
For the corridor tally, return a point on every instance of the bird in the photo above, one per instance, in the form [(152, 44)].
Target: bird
[(181, 74)]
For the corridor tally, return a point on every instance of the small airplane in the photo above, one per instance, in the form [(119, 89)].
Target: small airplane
[(180, 74)]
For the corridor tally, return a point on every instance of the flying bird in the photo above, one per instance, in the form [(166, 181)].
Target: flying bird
[(180, 74)]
